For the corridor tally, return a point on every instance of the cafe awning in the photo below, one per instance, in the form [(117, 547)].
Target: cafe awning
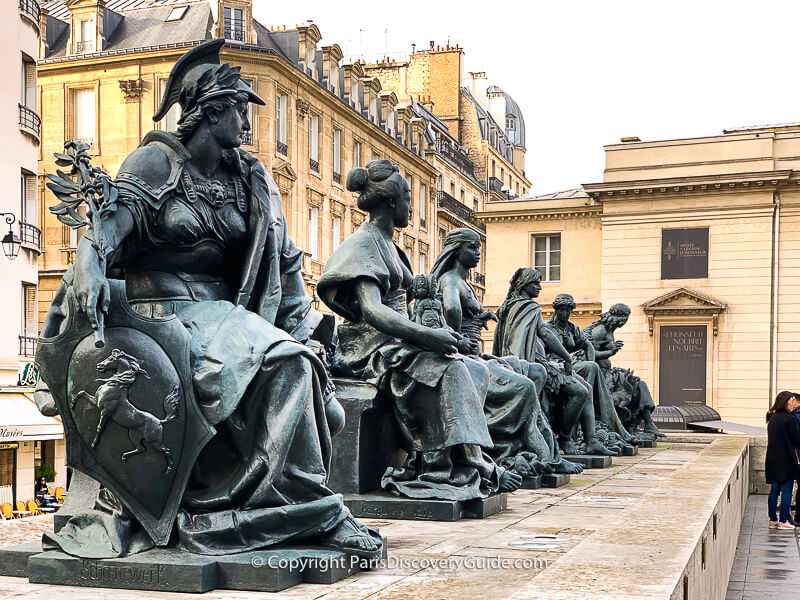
[(21, 421)]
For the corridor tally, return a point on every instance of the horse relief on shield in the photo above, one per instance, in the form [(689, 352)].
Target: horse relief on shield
[(111, 398)]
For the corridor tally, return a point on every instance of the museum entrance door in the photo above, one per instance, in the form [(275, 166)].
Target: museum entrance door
[(682, 365)]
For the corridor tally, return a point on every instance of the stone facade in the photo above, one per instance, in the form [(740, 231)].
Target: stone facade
[(742, 189)]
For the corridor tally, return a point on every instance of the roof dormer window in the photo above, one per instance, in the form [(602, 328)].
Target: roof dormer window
[(85, 41), (234, 24), (177, 14)]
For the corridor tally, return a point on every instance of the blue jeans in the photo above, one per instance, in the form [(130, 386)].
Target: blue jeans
[(785, 490)]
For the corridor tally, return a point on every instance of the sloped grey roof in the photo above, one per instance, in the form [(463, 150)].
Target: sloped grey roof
[(148, 27), (512, 108), (59, 10), (577, 192)]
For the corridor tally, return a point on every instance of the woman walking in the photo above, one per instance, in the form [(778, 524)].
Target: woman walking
[(783, 457)]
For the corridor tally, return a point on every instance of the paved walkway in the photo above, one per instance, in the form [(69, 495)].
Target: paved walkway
[(767, 563)]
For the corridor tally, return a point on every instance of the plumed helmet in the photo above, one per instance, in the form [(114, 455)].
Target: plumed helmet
[(198, 76)]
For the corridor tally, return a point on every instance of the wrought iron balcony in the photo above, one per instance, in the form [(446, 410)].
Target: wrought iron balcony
[(247, 138), (457, 158), (30, 122), (31, 9), (30, 234), (495, 185), (235, 33), (27, 345), (449, 204), (313, 165), (282, 148), (85, 46), (337, 177)]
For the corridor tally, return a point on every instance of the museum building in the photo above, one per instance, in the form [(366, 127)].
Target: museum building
[(28, 440), (700, 238)]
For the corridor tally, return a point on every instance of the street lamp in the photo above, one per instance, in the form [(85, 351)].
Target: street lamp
[(11, 242), (314, 299)]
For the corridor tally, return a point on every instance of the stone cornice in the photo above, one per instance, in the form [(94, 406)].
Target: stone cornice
[(539, 214), (681, 185)]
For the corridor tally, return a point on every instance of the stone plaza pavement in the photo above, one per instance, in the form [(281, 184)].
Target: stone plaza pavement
[(545, 524), (767, 563)]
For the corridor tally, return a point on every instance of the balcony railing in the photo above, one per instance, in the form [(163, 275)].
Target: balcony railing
[(30, 122), (27, 345), (30, 234), (30, 8), (282, 148), (235, 33), (247, 138), (337, 177), (454, 207), (480, 279), (313, 165), (495, 185), (86, 46), (455, 156)]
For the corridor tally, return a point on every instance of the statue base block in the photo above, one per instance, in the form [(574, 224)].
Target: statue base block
[(648, 444), (554, 480), (171, 569), (630, 451), (383, 505), (531, 483), (589, 461), (14, 559)]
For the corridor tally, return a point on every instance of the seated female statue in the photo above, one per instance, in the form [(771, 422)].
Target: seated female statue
[(197, 232), (575, 341), (437, 399), (515, 418), (521, 332)]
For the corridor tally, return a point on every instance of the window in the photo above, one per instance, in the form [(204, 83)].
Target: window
[(313, 142), (337, 156), (30, 322), (547, 256), (474, 204), (170, 120), (336, 233), (462, 196), (511, 122), (247, 135), (83, 115), (313, 232), (453, 189), (356, 154), (334, 79), (373, 110), (442, 235), (281, 106), (423, 206), (85, 41), (28, 198), (423, 263), (234, 24), (27, 95), (311, 63), (8, 474), (176, 14)]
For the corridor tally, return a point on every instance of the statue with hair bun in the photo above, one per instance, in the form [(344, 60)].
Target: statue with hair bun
[(436, 396)]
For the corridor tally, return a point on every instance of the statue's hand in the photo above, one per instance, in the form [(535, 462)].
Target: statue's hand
[(618, 346), (91, 290), (465, 346), (487, 315), (440, 341)]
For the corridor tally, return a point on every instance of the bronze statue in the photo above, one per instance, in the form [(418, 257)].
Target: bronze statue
[(189, 243), (521, 332), (523, 439), (579, 345), (436, 397), (630, 394)]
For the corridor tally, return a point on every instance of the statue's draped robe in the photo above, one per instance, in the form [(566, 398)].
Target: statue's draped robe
[(437, 400), (261, 479)]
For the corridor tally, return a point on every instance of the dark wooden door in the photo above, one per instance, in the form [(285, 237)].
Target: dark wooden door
[(682, 365)]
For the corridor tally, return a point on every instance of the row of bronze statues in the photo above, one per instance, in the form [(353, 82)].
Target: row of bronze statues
[(212, 425)]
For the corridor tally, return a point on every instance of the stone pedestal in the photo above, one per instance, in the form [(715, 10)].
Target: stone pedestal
[(648, 444), (630, 451), (554, 480), (171, 569), (382, 505), (531, 483), (589, 461)]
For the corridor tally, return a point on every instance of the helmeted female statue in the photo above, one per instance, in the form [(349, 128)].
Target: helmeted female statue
[(196, 232)]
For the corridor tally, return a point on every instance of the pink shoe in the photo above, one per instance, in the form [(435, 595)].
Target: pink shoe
[(773, 524), (785, 526)]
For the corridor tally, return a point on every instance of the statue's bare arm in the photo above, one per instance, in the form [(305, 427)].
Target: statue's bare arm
[(90, 284)]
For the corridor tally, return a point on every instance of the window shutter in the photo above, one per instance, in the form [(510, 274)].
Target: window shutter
[(29, 314), (29, 213)]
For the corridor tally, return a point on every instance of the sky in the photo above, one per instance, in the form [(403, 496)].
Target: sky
[(586, 73)]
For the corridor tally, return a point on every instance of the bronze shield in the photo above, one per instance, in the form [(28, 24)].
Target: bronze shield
[(142, 402)]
